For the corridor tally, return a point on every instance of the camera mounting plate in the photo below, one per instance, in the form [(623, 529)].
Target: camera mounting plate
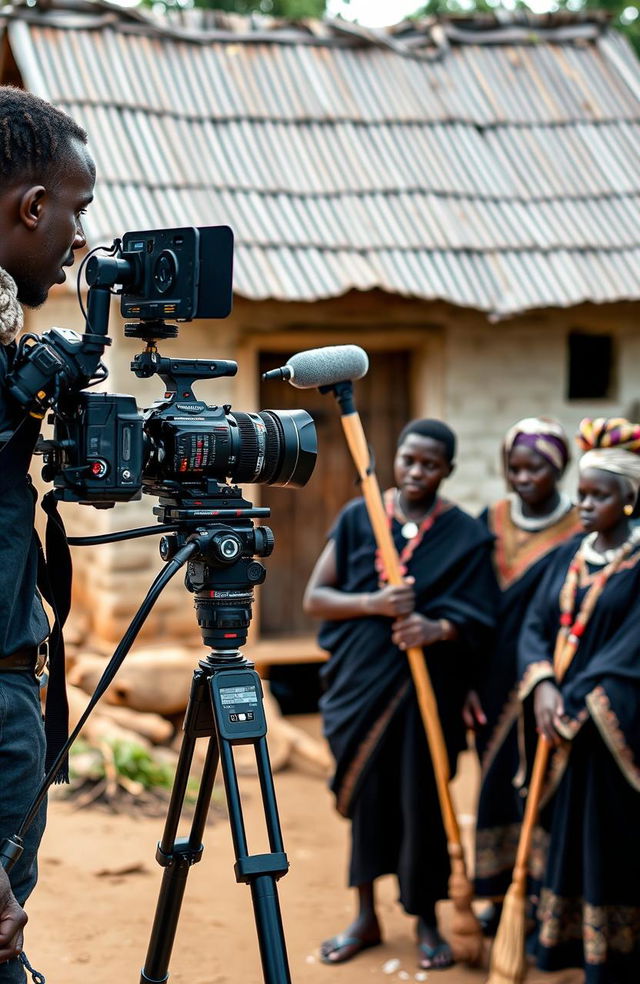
[(151, 331)]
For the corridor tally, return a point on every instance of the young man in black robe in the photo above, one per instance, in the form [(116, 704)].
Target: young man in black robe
[(384, 778)]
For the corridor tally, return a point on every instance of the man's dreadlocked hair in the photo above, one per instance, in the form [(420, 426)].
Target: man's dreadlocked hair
[(34, 136)]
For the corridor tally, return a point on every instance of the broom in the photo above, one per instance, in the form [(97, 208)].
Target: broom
[(508, 957), (466, 938)]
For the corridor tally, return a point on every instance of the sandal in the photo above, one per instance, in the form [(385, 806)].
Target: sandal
[(351, 945), (431, 953)]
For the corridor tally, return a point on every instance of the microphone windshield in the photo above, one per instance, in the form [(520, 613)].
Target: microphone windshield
[(328, 365)]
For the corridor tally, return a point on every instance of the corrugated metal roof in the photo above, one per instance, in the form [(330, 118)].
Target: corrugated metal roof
[(494, 166)]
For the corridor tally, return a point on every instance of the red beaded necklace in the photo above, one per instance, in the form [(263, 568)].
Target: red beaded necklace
[(572, 627), (414, 542)]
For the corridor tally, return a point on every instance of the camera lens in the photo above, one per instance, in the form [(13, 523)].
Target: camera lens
[(165, 271), (277, 447)]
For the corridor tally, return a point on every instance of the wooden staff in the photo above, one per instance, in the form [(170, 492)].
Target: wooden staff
[(466, 933)]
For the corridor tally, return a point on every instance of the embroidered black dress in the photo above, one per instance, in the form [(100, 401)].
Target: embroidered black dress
[(589, 909), (520, 559), (384, 779)]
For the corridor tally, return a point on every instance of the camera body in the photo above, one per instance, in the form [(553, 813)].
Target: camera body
[(104, 449), (96, 455)]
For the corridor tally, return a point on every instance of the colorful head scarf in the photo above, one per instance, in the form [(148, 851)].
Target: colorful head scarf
[(611, 444), (543, 435)]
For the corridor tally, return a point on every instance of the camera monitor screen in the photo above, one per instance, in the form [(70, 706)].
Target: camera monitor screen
[(182, 273)]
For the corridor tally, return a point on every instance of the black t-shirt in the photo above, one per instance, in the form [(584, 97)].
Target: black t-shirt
[(23, 621)]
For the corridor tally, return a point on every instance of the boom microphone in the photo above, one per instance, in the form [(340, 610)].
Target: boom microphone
[(323, 366)]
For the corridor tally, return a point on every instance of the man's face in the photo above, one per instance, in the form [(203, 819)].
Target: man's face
[(58, 232), (420, 465)]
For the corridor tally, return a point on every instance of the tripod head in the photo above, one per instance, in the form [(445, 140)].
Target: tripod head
[(223, 572)]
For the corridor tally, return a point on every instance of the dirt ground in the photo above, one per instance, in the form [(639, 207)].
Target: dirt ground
[(91, 915)]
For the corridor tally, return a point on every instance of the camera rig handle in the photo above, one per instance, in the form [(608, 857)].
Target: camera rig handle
[(179, 375), (60, 361)]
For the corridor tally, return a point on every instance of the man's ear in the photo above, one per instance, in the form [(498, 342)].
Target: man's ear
[(452, 468), (31, 205)]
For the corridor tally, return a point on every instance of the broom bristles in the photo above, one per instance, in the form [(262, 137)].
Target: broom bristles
[(508, 957)]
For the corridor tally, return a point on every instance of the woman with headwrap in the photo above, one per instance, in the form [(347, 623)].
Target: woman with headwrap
[(384, 780), (528, 525), (588, 608)]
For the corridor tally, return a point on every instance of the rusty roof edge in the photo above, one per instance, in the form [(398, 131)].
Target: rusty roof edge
[(74, 20), (526, 34), (408, 38)]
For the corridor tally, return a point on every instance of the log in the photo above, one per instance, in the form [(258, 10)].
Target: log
[(154, 679), (309, 755), (152, 726), (99, 728)]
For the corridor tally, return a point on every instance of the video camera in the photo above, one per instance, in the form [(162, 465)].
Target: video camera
[(104, 449)]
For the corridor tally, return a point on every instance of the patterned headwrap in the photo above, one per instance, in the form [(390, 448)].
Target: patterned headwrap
[(611, 444), (541, 434)]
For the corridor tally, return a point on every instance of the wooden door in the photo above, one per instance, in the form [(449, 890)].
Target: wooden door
[(300, 518)]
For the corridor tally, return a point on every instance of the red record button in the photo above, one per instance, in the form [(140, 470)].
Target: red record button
[(99, 468)]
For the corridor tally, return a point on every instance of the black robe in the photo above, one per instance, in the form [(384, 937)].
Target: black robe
[(383, 779), (520, 559), (589, 908)]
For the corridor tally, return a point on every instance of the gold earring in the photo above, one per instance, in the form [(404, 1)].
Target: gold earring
[(628, 509)]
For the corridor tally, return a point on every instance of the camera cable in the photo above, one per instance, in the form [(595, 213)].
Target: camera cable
[(92, 541), (111, 251), (11, 848)]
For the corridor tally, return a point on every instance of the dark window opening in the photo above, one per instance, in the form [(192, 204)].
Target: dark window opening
[(590, 366)]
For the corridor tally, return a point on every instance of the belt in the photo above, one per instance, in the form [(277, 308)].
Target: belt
[(33, 658)]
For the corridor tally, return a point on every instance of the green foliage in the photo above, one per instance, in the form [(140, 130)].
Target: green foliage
[(129, 760), (625, 12), (292, 9), (138, 764)]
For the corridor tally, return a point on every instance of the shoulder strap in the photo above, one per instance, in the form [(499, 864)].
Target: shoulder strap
[(57, 591)]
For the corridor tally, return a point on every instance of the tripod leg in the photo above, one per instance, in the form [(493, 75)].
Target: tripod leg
[(177, 855), (266, 908), (266, 905), (260, 871)]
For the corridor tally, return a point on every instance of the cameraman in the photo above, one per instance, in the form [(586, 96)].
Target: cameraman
[(46, 182)]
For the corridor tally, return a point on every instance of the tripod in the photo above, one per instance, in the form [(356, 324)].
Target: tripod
[(225, 706)]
